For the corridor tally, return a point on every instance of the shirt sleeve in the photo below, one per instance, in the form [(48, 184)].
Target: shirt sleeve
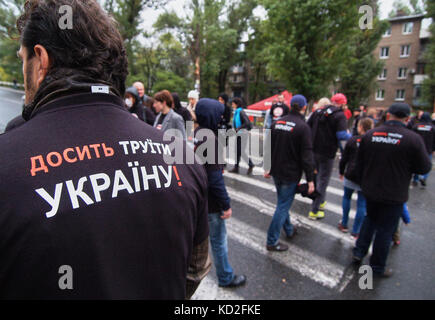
[(421, 163), (307, 156), (216, 188)]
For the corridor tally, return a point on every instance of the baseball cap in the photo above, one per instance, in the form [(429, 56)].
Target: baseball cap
[(339, 98), (299, 99), (400, 110)]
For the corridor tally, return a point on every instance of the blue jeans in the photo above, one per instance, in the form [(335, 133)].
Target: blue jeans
[(360, 209), (424, 176), (281, 218), (380, 223), (219, 248)]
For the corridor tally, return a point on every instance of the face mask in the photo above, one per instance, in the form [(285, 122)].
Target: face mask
[(128, 103)]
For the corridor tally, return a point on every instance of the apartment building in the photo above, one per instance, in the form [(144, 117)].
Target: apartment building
[(401, 48)]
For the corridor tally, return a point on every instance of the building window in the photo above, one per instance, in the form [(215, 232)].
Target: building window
[(417, 92), (385, 52), (420, 68), (401, 74), (400, 95), (387, 33), (380, 94), (383, 75), (407, 27), (405, 51)]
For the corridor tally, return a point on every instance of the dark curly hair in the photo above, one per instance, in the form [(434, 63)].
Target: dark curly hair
[(93, 46)]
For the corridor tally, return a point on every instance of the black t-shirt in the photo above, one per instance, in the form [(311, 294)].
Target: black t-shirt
[(160, 121), (291, 149), (325, 123), (84, 185), (279, 110), (387, 157)]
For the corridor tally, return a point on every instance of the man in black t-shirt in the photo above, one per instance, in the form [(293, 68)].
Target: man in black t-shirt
[(90, 205)]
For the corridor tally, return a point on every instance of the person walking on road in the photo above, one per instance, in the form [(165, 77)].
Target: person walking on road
[(426, 130), (291, 155), (347, 173), (328, 127), (208, 115), (242, 125), (387, 157)]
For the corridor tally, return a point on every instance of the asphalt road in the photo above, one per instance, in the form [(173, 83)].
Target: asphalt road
[(10, 105), (317, 266)]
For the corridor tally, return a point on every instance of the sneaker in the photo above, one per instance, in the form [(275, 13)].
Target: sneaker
[(315, 216), (342, 228), (396, 242), (322, 205), (423, 182), (238, 280), (278, 247)]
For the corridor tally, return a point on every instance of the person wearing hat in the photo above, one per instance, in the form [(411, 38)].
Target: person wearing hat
[(193, 97), (291, 155), (328, 128), (388, 155)]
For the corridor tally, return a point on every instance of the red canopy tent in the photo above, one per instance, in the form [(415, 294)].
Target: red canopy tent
[(267, 103)]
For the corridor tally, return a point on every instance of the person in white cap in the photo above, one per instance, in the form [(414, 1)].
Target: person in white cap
[(193, 97)]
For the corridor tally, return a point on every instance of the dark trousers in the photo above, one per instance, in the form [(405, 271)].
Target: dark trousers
[(240, 151), (380, 223), (324, 168)]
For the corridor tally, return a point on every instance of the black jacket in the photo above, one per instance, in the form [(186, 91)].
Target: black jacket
[(208, 115), (291, 149), (387, 157), (427, 131), (325, 123), (84, 184), (348, 161)]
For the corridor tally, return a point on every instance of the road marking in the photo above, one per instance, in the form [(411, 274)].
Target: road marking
[(208, 289), (337, 209), (308, 264), (268, 209)]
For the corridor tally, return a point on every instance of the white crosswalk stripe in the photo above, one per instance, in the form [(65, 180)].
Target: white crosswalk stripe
[(208, 289), (308, 264), (337, 209), (268, 208)]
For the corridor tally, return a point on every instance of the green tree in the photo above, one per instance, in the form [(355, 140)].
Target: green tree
[(357, 78), (399, 6), (9, 44), (429, 83), (308, 42), (212, 34)]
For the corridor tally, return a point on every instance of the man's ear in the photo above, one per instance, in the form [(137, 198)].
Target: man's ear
[(43, 60)]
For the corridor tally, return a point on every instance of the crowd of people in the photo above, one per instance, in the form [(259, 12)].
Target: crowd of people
[(85, 186)]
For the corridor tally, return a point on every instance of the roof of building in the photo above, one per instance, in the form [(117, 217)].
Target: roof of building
[(411, 17)]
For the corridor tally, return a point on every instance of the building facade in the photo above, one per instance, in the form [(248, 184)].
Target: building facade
[(401, 49)]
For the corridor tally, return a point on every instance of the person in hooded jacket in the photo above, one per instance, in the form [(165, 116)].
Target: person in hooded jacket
[(133, 103), (329, 127), (208, 115)]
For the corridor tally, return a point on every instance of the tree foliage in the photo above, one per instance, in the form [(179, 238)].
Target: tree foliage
[(429, 83)]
